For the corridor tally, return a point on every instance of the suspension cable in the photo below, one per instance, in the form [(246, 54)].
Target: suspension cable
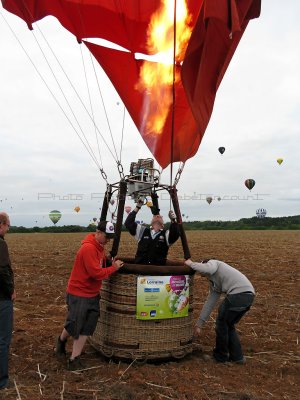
[(71, 84), (64, 96), (76, 92), (91, 105), (178, 174), (118, 160), (104, 108), (50, 91), (119, 166), (122, 136)]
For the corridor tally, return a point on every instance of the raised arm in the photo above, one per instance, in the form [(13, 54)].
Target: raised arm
[(130, 223), (173, 232)]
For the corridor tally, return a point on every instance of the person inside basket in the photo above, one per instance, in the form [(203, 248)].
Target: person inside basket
[(153, 242), (239, 296), (83, 288)]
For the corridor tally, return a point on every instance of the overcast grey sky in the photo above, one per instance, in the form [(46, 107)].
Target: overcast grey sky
[(44, 166)]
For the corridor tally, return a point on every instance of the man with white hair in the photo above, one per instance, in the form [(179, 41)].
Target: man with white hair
[(153, 242), (7, 296)]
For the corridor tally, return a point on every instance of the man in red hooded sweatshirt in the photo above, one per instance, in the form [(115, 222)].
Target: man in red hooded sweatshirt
[(83, 288)]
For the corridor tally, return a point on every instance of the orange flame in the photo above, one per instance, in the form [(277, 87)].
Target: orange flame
[(156, 78)]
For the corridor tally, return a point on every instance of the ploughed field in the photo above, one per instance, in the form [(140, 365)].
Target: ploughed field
[(270, 332)]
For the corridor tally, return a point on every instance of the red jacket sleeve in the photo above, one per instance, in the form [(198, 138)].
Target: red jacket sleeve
[(94, 265)]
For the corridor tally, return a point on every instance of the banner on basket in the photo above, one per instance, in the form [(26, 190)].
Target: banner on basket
[(161, 297)]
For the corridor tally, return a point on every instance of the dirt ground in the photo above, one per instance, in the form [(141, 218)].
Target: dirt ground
[(269, 332)]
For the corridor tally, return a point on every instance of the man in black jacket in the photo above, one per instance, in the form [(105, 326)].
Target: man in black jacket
[(7, 296), (153, 242)]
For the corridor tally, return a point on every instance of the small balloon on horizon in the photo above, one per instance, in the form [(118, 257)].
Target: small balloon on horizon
[(249, 183), (280, 161)]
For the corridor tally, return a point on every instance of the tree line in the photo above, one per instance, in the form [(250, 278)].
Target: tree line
[(254, 223)]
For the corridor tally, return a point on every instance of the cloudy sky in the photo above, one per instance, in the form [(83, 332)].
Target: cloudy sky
[(45, 166)]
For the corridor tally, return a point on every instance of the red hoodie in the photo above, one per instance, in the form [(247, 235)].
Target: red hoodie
[(88, 272)]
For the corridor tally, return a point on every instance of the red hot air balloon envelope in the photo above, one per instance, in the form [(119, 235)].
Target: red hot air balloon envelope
[(216, 27), (250, 183)]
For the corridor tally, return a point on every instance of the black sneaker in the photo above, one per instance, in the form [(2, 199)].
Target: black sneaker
[(75, 365), (9, 385), (60, 348), (242, 361)]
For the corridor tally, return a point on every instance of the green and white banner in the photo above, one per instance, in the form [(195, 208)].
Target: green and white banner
[(161, 297)]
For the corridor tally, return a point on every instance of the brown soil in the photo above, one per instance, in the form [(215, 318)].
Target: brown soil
[(269, 332)]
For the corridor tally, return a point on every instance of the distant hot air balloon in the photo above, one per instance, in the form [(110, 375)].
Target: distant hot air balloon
[(112, 202), (280, 161), (127, 209), (261, 212), (250, 183), (209, 199), (221, 149), (77, 209), (219, 198), (94, 219), (55, 216)]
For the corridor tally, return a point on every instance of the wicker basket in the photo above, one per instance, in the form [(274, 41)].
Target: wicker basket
[(119, 334)]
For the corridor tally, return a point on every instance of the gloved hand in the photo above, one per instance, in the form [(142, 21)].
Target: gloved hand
[(172, 216), (140, 202)]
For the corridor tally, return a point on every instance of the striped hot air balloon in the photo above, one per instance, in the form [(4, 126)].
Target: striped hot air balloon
[(55, 216), (249, 183)]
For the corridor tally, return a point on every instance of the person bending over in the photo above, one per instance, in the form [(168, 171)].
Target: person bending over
[(239, 296)]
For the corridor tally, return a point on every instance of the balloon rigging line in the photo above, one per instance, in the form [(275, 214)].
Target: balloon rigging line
[(100, 92), (90, 151), (104, 108), (122, 137), (91, 105), (64, 96), (77, 94), (49, 89)]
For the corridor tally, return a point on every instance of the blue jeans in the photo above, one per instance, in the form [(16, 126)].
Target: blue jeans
[(231, 310), (6, 327)]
